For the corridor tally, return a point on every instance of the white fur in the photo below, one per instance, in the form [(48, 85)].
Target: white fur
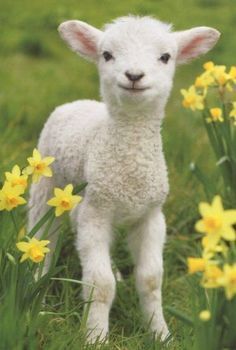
[(116, 147)]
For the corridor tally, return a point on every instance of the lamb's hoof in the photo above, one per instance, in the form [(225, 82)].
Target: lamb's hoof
[(167, 339), (163, 335), (96, 336)]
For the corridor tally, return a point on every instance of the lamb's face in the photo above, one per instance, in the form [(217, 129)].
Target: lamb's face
[(136, 61), (136, 56)]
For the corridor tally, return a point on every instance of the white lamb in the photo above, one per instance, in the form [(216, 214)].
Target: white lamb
[(116, 147)]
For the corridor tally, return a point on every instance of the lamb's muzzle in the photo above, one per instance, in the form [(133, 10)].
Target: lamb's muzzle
[(134, 77)]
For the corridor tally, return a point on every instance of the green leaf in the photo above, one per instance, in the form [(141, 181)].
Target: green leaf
[(80, 187), (180, 315), (209, 187), (73, 281), (41, 222)]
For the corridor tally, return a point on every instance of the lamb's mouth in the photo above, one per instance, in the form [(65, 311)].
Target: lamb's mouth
[(133, 88)]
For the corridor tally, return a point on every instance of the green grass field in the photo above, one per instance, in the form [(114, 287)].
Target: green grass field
[(37, 73)]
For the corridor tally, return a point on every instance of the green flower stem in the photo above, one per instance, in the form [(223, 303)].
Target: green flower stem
[(14, 222), (218, 150), (226, 165), (211, 136), (208, 185)]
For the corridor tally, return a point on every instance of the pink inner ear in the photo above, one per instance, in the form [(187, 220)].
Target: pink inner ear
[(190, 49), (87, 43)]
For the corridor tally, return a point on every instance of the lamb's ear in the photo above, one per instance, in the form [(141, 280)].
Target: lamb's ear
[(195, 42), (82, 38)]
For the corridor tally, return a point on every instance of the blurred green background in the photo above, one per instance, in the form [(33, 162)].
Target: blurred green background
[(38, 72)]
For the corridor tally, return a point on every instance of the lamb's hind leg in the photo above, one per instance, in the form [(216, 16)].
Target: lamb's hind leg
[(93, 243), (39, 195), (146, 243)]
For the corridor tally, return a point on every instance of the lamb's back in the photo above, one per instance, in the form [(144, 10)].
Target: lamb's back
[(66, 135)]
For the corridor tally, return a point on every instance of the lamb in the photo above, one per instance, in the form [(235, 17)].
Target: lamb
[(116, 147)]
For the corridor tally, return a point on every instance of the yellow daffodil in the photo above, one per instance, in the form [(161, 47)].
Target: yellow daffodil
[(232, 113), (64, 200), (34, 250), (38, 166), (192, 99), (216, 115), (10, 197), (205, 315), (204, 81), (209, 66), (220, 75), (210, 248), (232, 73), (15, 178), (231, 78), (196, 265), (216, 222), (217, 72), (211, 276), (228, 280)]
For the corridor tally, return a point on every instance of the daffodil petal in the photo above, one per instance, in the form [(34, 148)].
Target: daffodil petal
[(35, 178), (230, 217), (21, 200), (47, 172), (205, 209), (68, 189), (48, 160), (213, 239), (59, 211), (228, 233), (217, 204), (76, 200), (199, 226), (36, 155), (24, 257), (58, 192), (28, 170), (46, 250), (22, 246), (44, 242), (53, 202)]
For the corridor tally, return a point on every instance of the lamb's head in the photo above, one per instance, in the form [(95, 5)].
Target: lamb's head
[(137, 56)]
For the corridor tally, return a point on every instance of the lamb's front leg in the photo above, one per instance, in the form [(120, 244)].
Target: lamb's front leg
[(94, 238), (146, 243)]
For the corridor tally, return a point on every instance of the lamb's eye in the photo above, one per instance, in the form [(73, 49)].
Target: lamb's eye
[(107, 55), (165, 58)]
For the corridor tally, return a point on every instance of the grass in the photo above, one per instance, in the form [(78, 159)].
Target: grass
[(37, 73)]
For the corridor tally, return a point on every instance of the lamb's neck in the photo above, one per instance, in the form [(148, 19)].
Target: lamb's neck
[(143, 124)]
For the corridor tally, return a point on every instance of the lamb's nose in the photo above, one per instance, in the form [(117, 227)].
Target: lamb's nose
[(134, 77)]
